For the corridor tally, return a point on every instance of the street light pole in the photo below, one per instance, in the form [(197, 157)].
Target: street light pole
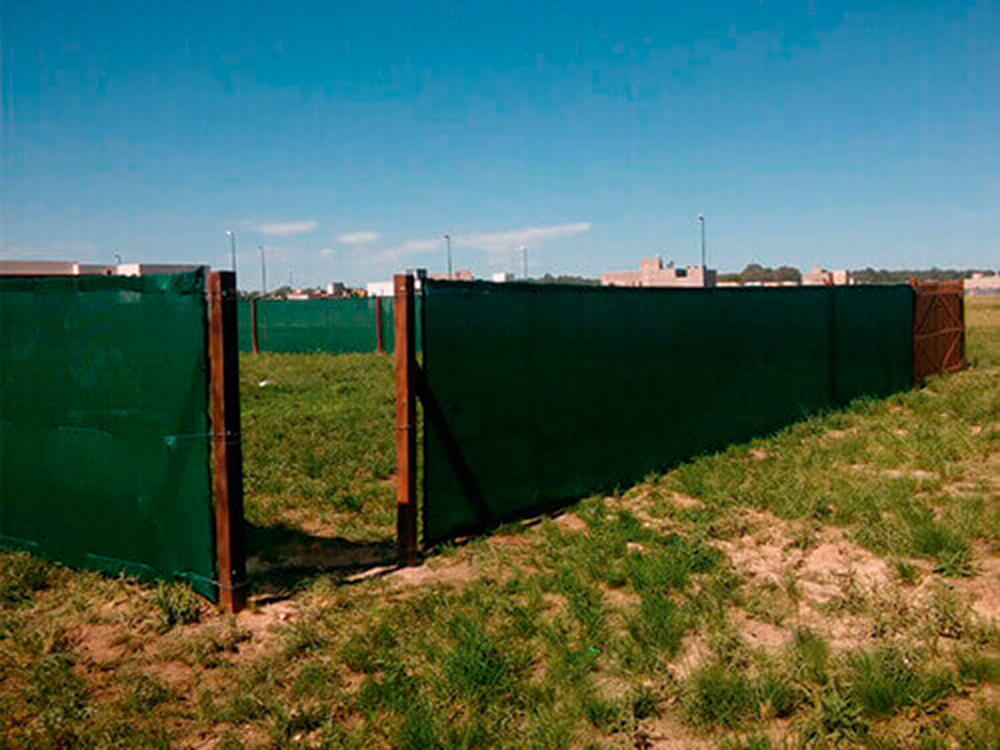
[(524, 260), (447, 238), (263, 272), (232, 247), (701, 220)]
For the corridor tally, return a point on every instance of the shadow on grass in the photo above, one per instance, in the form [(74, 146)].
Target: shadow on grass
[(281, 559)]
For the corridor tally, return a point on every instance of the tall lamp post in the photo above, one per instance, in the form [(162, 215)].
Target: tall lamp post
[(232, 247), (701, 220), (524, 260), (263, 272), (447, 239)]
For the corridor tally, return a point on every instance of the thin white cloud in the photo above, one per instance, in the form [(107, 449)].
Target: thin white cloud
[(328, 252), (286, 228), (357, 238), (419, 246), (492, 242), (511, 238)]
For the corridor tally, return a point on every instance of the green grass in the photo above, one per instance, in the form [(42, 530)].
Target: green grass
[(318, 443), (21, 575), (626, 619), (982, 316), (909, 476)]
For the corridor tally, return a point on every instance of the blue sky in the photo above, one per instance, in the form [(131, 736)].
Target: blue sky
[(349, 137)]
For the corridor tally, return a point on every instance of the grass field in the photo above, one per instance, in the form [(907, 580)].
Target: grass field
[(835, 584), (319, 445)]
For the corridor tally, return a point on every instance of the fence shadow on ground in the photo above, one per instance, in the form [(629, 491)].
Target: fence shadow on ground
[(281, 558)]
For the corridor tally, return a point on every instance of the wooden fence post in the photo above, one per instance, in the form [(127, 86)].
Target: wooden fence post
[(254, 346), (379, 344), (406, 418), (227, 459)]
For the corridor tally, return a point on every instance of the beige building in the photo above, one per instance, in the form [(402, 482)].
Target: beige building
[(821, 277), (460, 274), (651, 273), (983, 283)]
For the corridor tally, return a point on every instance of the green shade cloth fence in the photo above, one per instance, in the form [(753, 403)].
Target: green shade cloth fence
[(336, 326), (243, 324), (535, 395), (105, 440)]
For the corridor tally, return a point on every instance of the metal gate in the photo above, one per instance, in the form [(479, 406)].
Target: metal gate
[(938, 328)]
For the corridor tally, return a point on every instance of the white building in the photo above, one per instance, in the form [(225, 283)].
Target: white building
[(379, 288)]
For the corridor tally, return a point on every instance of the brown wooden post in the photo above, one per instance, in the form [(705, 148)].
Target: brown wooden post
[(406, 419), (227, 459), (254, 346), (379, 345)]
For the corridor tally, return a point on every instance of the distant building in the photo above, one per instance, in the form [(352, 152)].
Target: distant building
[(38, 268), (502, 277), (333, 290), (304, 295), (460, 274), (821, 277), (71, 268), (384, 288), (652, 273), (784, 282), (983, 283), (379, 288)]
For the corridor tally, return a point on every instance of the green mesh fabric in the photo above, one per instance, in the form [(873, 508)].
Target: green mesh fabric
[(536, 395), (331, 326), (104, 425), (243, 321), (334, 326)]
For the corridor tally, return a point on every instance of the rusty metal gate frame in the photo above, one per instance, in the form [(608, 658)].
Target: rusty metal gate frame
[(938, 328)]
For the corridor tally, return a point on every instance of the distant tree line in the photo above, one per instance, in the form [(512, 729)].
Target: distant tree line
[(280, 293), (574, 280), (755, 272), (885, 276)]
